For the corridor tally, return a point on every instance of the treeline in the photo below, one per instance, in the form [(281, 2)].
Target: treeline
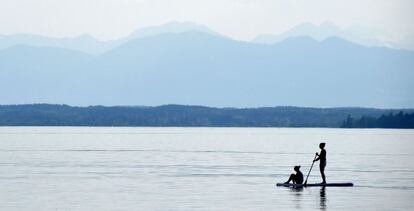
[(400, 120), (180, 115)]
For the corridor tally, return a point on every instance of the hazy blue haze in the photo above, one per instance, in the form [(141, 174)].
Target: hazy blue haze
[(240, 19)]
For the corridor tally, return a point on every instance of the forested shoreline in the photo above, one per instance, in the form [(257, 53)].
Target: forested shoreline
[(201, 116), (391, 120)]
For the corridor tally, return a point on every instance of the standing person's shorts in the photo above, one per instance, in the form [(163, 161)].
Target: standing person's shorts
[(322, 165)]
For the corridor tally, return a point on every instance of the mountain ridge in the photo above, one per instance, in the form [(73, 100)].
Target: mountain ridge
[(355, 34), (88, 44)]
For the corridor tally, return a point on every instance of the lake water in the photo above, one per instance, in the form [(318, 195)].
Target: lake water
[(83, 168)]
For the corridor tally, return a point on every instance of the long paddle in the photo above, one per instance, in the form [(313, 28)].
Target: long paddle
[(313, 161)]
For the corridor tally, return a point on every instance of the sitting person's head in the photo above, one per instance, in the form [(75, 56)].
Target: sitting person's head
[(296, 168)]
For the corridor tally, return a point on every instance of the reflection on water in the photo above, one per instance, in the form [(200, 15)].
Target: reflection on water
[(298, 194), (323, 198), (301, 197)]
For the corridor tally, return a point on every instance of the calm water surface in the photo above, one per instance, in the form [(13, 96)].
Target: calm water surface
[(81, 168)]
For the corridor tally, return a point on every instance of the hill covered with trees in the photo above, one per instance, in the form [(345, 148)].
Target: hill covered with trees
[(187, 116), (399, 120)]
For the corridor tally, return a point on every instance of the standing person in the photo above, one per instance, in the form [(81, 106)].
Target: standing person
[(322, 161), (296, 178)]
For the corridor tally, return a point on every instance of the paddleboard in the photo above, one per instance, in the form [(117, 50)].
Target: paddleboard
[(346, 184)]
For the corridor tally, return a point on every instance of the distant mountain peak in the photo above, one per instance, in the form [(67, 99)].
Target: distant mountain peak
[(85, 37), (300, 38), (328, 24), (185, 25), (170, 27)]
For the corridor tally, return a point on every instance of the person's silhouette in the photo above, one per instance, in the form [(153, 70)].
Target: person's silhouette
[(322, 161), (296, 178)]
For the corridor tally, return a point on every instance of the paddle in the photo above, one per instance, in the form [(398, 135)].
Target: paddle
[(313, 161)]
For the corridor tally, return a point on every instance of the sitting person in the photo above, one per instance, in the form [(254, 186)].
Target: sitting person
[(296, 178)]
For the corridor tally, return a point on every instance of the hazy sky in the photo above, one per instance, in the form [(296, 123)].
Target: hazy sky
[(240, 19)]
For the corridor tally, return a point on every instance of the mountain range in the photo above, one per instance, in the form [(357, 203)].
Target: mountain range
[(194, 65), (90, 45), (357, 34)]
